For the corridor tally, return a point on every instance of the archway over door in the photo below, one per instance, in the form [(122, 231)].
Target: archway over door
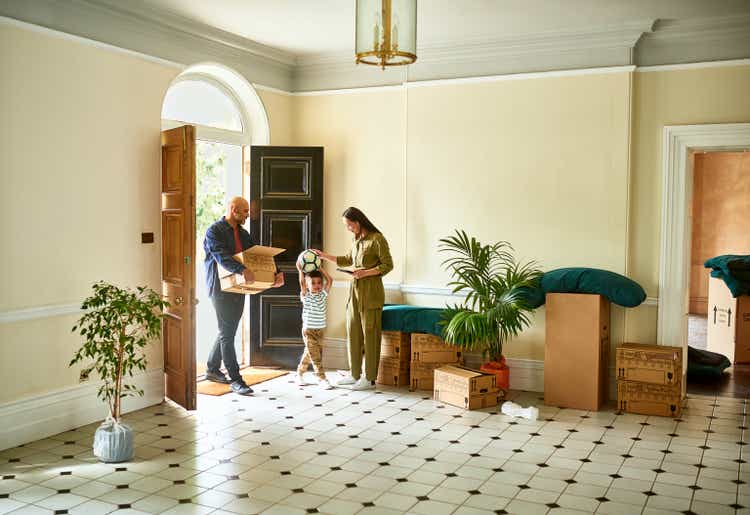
[(228, 117)]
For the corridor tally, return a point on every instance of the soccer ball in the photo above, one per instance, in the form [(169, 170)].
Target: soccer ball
[(309, 261)]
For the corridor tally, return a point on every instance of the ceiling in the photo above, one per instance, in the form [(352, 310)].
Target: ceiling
[(304, 27)]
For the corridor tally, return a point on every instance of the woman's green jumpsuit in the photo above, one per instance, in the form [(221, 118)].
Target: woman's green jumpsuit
[(365, 305)]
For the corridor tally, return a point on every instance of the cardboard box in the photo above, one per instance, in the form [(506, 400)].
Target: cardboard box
[(728, 322), (260, 260), (422, 375), (393, 372), (395, 344), (464, 381), (656, 364), (484, 400), (465, 388), (576, 351), (649, 399), (427, 348)]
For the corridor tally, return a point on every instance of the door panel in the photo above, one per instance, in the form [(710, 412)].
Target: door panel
[(286, 186), (178, 271)]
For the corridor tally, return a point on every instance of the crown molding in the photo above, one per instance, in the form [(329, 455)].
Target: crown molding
[(161, 35), (144, 11), (165, 36), (695, 40), (604, 46)]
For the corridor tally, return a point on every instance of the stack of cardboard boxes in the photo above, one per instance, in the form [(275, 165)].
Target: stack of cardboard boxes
[(429, 353), (465, 388), (395, 352), (649, 379)]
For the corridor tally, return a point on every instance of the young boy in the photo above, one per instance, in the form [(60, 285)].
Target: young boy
[(314, 297)]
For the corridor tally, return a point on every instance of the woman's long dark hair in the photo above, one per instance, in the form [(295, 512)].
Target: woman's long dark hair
[(355, 215)]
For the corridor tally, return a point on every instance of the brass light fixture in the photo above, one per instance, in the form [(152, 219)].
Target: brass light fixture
[(386, 32)]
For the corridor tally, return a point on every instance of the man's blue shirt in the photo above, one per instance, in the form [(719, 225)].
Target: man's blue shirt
[(219, 247)]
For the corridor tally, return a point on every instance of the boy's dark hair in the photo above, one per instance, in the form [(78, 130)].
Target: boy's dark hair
[(314, 273)]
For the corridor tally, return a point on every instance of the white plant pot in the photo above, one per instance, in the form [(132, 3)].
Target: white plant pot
[(113, 442)]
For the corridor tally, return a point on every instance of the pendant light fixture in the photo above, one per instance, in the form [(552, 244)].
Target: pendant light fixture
[(386, 32)]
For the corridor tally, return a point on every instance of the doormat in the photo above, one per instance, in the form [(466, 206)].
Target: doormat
[(250, 375)]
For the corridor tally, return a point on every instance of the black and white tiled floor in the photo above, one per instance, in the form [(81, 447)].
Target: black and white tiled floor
[(289, 450)]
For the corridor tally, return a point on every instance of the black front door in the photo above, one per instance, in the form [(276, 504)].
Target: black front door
[(286, 195)]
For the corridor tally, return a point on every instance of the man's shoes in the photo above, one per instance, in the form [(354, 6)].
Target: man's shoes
[(363, 384), (345, 381), (217, 377), (240, 388)]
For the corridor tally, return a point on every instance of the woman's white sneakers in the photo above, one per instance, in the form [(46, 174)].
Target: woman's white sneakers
[(363, 384), (346, 381), (324, 384)]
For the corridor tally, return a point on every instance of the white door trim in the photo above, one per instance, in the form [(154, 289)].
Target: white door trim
[(678, 142)]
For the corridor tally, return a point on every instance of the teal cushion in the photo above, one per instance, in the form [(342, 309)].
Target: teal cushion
[(412, 319), (734, 270), (615, 287)]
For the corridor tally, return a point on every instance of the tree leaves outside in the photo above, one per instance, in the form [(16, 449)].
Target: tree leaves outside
[(210, 190)]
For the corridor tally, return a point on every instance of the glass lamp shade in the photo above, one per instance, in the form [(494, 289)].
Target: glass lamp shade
[(386, 32)]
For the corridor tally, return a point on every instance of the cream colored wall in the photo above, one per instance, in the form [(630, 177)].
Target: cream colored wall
[(527, 161), (279, 110), (80, 182), (540, 163), (675, 97), (363, 136)]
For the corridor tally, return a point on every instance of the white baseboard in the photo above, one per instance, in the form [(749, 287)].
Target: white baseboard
[(33, 418), (525, 374)]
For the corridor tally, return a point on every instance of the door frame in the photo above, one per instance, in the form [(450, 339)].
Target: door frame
[(679, 141)]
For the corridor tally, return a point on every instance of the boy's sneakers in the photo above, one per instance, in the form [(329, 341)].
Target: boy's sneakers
[(299, 379), (324, 384), (363, 384), (345, 381)]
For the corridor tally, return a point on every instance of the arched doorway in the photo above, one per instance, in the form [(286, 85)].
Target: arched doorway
[(228, 117)]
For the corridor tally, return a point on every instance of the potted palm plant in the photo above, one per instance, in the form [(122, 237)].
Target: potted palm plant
[(116, 325), (495, 308)]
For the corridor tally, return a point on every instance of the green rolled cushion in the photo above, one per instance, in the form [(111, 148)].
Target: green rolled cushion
[(412, 319), (734, 270), (703, 364), (615, 287)]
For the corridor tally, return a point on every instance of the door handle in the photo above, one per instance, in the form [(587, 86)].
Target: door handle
[(178, 300)]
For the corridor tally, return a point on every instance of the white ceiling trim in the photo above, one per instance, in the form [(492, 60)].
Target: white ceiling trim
[(90, 42), (138, 29), (522, 76), (144, 11), (178, 43), (692, 66)]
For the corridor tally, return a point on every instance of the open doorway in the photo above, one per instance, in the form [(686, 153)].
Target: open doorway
[(227, 116), (720, 209), (218, 175)]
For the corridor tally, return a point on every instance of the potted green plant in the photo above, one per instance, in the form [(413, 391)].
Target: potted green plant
[(116, 325), (495, 308)]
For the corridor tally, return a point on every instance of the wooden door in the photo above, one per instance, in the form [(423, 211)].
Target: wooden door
[(286, 195), (177, 268)]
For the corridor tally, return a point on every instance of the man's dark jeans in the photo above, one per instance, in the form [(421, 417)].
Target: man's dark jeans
[(229, 308)]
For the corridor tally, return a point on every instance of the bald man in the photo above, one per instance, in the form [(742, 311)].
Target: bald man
[(224, 239)]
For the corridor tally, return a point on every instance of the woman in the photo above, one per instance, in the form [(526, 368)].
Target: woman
[(371, 259)]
